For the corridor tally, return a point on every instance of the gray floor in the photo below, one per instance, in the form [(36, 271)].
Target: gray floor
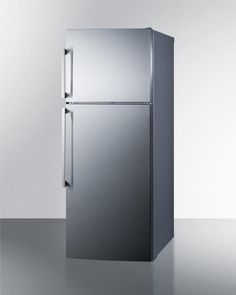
[(200, 260)]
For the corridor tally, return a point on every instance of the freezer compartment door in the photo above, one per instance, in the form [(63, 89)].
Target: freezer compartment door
[(108, 65), (108, 201)]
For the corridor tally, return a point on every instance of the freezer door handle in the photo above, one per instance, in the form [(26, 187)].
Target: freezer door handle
[(64, 112), (67, 73)]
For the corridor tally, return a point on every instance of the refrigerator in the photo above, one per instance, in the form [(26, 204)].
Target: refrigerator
[(117, 127)]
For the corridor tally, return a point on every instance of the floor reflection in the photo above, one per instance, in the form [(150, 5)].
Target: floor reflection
[(107, 277), (33, 262), (200, 260)]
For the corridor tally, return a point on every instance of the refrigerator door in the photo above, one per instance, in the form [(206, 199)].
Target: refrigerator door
[(108, 199), (108, 65)]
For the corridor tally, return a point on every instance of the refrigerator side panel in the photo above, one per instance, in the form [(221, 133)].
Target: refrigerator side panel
[(103, 65), (163, 142), (108, 203)]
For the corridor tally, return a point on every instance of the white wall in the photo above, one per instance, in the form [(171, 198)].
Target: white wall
[(205, 99)]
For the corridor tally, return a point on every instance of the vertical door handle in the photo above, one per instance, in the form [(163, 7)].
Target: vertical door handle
[(67, 82), (64, 112)]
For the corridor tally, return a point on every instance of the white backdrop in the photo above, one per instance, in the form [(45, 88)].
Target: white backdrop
[(32, 35)]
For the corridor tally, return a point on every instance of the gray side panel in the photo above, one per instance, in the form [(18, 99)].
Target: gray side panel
[(109, 65), (108, 204), (163, 141)]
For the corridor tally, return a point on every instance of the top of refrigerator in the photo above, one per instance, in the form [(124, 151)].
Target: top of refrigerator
[(108, 66)]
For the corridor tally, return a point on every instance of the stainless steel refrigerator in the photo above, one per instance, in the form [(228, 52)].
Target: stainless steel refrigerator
[(118, 143)]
